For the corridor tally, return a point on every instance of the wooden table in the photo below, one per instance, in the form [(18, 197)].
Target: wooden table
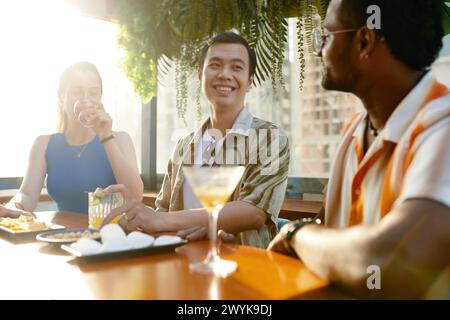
[(42, 271)]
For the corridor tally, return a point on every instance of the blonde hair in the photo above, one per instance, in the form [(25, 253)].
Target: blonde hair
[(64, 81)]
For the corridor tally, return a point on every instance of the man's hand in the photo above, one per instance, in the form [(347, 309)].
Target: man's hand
[(136, 216), (201, 233), (277, 244), (226, 237), (194, 234)]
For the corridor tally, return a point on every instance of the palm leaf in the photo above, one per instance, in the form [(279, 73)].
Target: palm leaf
[(227, 14), (191, 20), (446, 16), (160, 34)]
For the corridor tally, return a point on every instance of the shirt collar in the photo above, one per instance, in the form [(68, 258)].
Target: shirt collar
[(243, 123), (406, 111), (241, 126)]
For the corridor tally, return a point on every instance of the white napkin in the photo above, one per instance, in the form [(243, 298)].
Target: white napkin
[(138, 240), (87, 246), (166, 240), (114, 239), (112, 233)]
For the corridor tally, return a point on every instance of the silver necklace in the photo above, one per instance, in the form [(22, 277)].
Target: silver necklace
[(82, 150), (78, 154)]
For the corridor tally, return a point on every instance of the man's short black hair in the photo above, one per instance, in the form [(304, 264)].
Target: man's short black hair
[(413, 29), (230, 37)]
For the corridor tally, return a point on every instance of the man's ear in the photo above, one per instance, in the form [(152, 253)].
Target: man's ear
[(250, 83), (367, 42)]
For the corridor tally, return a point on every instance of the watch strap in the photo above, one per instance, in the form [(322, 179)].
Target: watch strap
[(292, 228)]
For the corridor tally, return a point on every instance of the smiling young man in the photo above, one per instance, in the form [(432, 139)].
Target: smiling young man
[(231, 135), (388, 199)]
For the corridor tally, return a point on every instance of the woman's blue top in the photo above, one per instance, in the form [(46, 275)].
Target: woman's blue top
[(70, 178)]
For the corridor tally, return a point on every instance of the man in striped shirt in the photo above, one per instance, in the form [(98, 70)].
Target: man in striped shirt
[(231, 135), (388, 201)]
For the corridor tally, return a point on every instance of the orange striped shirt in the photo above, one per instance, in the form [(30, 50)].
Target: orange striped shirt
[(409, 159)]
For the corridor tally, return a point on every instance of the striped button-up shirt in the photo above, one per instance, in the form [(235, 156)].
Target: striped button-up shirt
[(259, 145)]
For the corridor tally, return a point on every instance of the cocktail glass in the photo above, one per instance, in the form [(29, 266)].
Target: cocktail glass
[(213, 186)]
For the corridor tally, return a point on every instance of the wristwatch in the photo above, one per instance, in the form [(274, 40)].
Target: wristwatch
[(291, 229)]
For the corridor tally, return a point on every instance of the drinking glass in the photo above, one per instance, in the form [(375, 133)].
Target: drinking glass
[(213, 186), (99, 208), (84, 110)]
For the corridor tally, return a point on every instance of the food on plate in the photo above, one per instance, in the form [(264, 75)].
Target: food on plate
[(73, 236), (23, 224)]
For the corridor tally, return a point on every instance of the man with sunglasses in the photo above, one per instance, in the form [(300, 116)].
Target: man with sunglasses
[(388, 198)]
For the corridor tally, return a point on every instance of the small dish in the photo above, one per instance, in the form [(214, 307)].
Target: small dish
[(67, 236)]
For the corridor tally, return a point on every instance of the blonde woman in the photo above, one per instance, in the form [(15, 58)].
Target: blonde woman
[(78, 158)]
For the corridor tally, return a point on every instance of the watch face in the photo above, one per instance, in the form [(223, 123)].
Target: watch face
[(292, 227), (288, 228)]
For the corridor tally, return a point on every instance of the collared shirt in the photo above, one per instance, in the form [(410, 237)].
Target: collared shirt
[(262, 147), (409, 159)]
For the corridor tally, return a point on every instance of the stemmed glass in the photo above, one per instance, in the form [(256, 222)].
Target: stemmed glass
[(213, 187), (84, 110)]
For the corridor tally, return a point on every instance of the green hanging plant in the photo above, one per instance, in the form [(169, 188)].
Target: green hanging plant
[(159, 34)]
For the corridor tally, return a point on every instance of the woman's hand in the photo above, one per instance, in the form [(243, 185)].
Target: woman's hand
[(8, 210), (102, 122)]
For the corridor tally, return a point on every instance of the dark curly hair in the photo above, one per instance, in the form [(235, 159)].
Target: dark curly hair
[(230, 37), (413, 29)]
